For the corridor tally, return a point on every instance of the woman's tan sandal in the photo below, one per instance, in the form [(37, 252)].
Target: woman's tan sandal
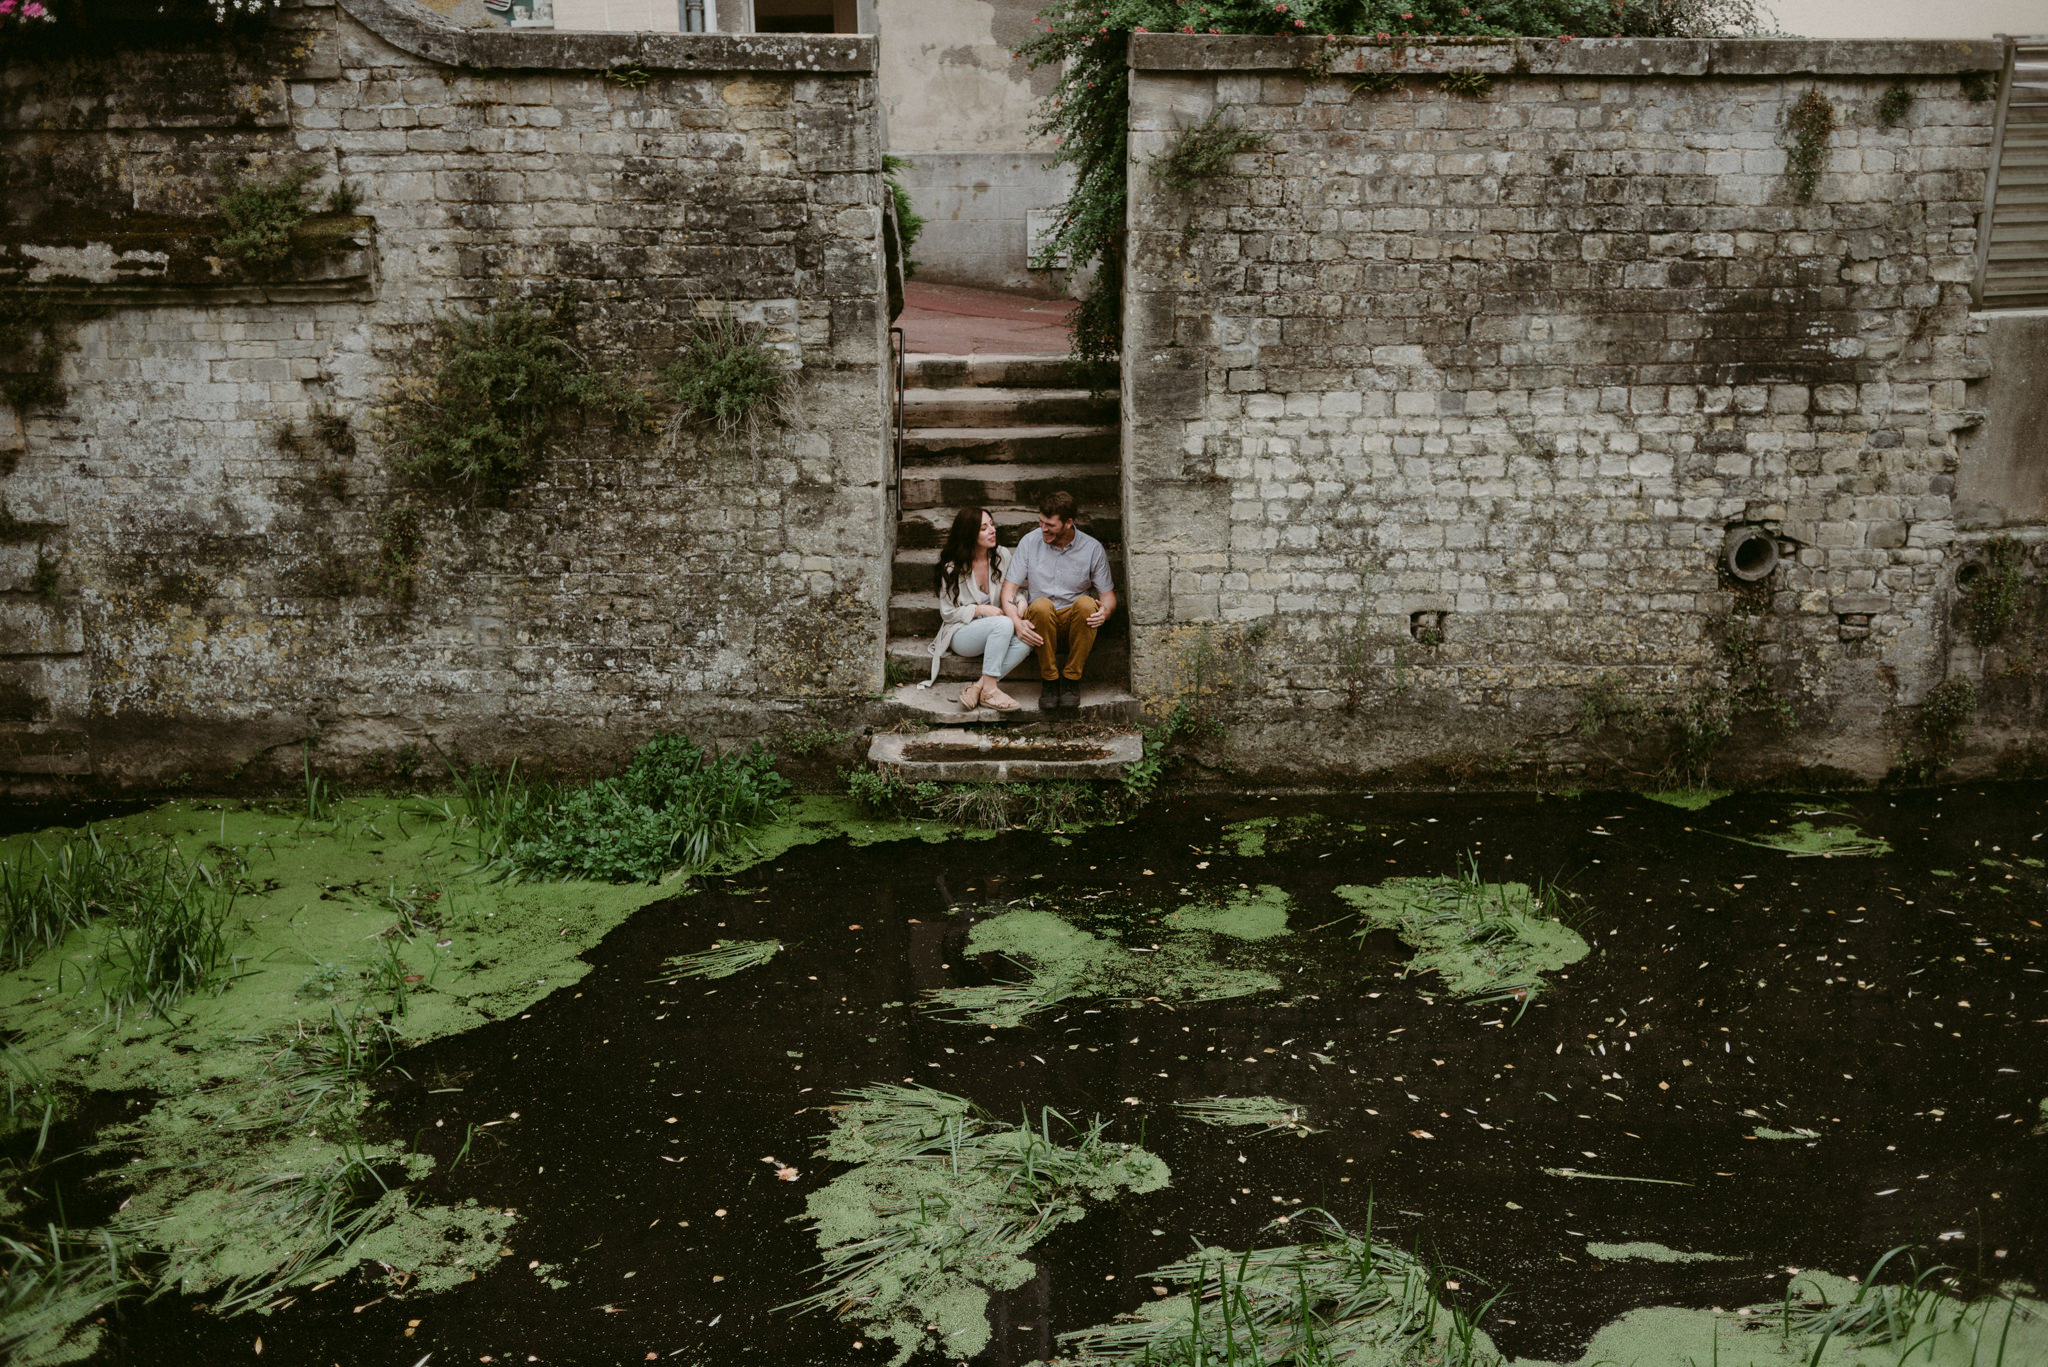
[(970, 696), (999, 700)]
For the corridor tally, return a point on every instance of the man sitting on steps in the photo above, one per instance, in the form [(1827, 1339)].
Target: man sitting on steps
[(1058, 564)]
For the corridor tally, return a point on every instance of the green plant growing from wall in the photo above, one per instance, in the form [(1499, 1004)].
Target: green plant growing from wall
[(1994, 597), (496, 387), (1376, 83), (1808, 123), (1203, 152), (261, 216), (1894, 105), (909, 222), (44, 583), (1936, 733), (399, 552), (1706, 716), (728, 378), (1979, 86), (1466, 80), (345, 198), (632, 77)]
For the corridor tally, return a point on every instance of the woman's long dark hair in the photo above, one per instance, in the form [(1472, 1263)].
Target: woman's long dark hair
[(958, 554)]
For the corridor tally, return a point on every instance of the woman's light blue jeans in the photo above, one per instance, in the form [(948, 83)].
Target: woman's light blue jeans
[(995, 640)]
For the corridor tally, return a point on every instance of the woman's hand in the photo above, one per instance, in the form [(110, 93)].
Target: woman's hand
[(985, 610)]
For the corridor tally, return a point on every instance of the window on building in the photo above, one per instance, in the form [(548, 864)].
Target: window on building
[(805, 16)]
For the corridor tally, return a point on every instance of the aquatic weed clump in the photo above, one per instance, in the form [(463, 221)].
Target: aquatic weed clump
[(51, 1282), (721, 960), (1064, 961), (1338, 1297), (1269, 1114), (943, 1206), (1485, 941)]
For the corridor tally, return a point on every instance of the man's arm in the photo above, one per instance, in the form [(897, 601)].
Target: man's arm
[(1013, 605), (1106, 606), (1105, 589)]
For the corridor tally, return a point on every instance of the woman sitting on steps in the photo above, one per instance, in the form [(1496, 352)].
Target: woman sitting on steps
[(971, 621)]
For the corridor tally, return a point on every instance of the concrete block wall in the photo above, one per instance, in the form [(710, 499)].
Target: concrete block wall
[(212, 607), (1458, 397)]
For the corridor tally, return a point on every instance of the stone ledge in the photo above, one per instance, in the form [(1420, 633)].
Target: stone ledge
[(416, 30), (163, 260), (1579, 57)]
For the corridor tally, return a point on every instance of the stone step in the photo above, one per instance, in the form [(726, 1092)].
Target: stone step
[(952, 486), (1006, 407), (929, 370), (1101, 701), (947, 755), (914, 612), (1053, 442), (1108, 662), (925, 528), (912, 570)]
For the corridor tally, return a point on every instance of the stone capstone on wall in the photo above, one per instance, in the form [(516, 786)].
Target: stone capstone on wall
[(184, 586), (1443, 405)]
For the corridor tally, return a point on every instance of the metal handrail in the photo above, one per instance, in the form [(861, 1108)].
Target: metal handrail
[(897, 344)]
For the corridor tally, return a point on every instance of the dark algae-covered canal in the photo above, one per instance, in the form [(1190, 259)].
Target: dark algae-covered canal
[(1617, 1079)]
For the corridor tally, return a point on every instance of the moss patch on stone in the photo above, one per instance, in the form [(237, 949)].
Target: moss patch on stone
[(943, 1206), (1484, 941)]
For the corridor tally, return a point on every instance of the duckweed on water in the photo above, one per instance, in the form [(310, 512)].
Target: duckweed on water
[(1484, 941), (1065, 961), (1689, 799), (943, 1207), (1650, 1253), (353, 936), (1802, 840)]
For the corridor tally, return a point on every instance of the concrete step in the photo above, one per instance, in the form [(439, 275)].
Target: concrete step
[(928, 370), (1053, 442), (912, 571), (925, 528), (1006, 407), (1101, 701), (951, 486), (914, 611), (947, 755), (1108, 662)]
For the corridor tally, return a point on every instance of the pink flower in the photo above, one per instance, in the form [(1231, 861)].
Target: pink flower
[(1215, 30), (33, 10), (6, 8), (1301, 23), (1564, 37), (1140, 28)]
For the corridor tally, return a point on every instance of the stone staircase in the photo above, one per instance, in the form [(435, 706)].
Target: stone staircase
[(1001, 431)]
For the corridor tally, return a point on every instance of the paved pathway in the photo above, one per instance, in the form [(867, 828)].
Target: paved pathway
[(954, 320)]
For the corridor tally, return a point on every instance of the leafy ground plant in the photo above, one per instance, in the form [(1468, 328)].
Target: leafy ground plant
[(943, 1206), (1486, 942), (1336, 1297)]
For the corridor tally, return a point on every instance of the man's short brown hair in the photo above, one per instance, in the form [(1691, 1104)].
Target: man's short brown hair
[(1060, 504)]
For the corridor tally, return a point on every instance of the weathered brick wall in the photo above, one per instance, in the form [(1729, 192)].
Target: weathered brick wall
[(201, 613), (1523, 359)]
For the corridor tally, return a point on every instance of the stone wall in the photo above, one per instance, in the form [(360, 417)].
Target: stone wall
[(1442, 407), (183, 593)]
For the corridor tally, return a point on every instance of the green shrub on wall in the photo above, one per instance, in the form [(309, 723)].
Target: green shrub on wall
[(1087, 112), (261, 216), (498, 384)]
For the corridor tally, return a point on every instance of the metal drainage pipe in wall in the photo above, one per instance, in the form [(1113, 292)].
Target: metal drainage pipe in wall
[(1750, 553)]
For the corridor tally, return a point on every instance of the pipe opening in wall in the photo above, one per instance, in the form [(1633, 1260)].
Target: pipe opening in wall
[(1969, 574), (1751, 553)]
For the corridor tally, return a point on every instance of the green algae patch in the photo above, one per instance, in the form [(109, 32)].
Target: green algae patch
[(1337, 1297), (942, 1207), (1253, 914), (1269, 835), (1484, 941), (1651, 1253), (1804, 840), (1688, 799), (1828, 1321), (1762, 1133), (1064, 961), (1248, 838), (349, 939)]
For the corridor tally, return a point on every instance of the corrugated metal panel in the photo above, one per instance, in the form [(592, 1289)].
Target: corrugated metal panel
[(2013, 266)]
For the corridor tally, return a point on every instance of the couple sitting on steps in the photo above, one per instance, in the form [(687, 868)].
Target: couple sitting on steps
[(983, 608)]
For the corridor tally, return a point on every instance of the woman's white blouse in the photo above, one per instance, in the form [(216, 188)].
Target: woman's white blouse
[(956, 609)]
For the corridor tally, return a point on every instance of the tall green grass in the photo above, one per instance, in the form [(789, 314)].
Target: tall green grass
[(50, 1283)]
